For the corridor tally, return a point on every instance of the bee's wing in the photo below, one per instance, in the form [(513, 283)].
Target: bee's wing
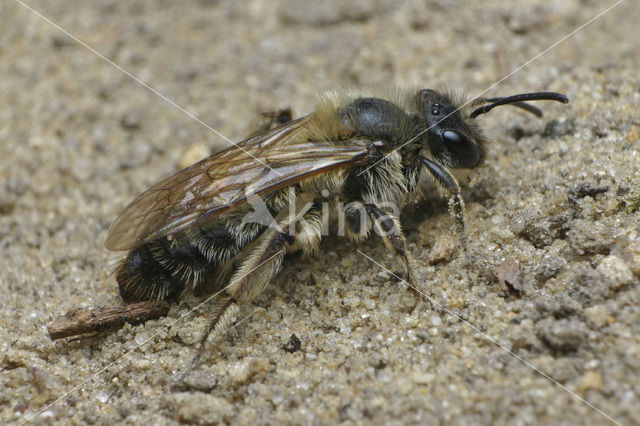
[(269, 161)]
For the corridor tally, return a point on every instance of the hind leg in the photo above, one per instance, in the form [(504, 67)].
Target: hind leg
[(262, 263), (247, 282), (260, 266), (250, 279)]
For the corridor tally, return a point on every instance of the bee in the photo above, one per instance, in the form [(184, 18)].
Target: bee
[(226, 223)]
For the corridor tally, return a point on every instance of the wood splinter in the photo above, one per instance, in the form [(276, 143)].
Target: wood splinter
[(80, 321)]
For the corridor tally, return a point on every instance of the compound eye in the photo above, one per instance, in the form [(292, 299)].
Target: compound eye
[(464, 151), (451, 137)]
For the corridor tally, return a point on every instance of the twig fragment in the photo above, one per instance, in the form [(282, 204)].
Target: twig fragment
[(80, 321)]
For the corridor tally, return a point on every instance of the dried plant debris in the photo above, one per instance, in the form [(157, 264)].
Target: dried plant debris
[(79, 321), (442, 250), (585, 189), (508, 275)]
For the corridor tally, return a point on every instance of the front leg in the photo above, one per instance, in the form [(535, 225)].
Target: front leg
[(456, 204), (388, 227)]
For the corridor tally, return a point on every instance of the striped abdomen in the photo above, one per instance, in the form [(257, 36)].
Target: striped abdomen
[(196, 260)]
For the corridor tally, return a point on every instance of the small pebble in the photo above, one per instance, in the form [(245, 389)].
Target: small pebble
[(588, 237), (632, 256), (442, 250), (565, 335), (243, 370), (201, 408), (591, 380), (616, 270), (597, 315)]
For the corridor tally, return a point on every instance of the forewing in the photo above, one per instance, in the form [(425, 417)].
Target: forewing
[(264, 163)]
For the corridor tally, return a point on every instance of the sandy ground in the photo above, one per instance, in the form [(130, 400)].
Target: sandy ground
[(558, 196)]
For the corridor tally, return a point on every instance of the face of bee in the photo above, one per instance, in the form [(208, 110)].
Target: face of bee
[(451, 140)]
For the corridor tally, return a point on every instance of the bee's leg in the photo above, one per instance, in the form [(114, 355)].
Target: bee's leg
[(388, 227), (456, 204), (270, 120), (246, 283), (262, 264), (251, 278), (264, 261)]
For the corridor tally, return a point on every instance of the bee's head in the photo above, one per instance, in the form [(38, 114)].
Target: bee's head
[(456, 141)]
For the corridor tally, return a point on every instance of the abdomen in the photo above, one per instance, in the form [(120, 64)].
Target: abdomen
[(196, 260)]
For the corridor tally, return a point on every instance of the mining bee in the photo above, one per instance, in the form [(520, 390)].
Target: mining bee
[(225, 223)]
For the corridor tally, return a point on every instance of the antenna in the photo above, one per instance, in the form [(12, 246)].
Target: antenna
[(519, 101)]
